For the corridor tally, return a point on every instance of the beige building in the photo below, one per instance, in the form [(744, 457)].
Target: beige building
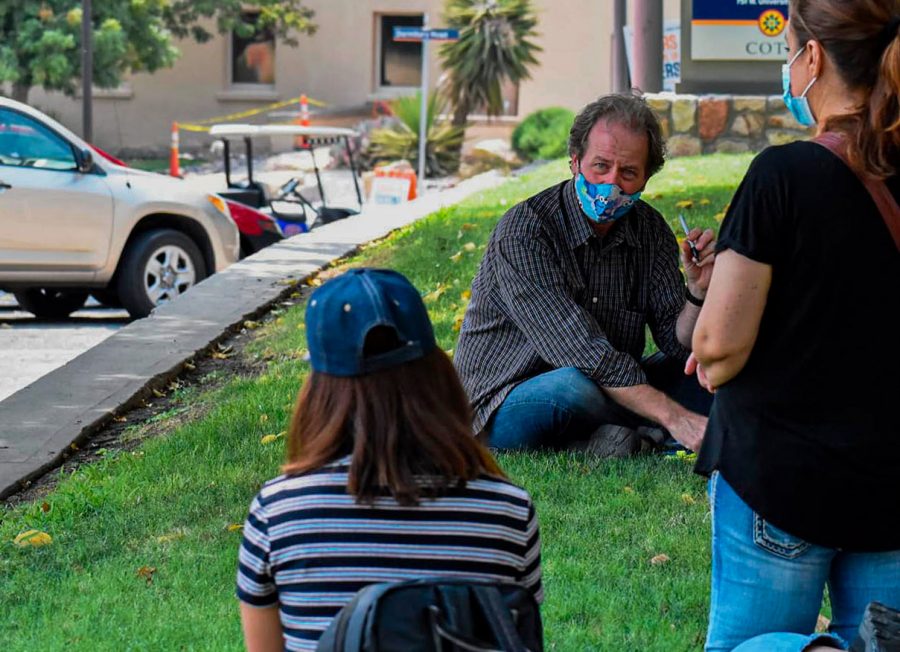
[(349, 62)]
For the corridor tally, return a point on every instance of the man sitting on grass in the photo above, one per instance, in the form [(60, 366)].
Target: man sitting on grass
[(550, 348)]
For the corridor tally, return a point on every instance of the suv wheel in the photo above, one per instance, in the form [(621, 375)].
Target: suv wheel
[(51, 303), (157, 267)]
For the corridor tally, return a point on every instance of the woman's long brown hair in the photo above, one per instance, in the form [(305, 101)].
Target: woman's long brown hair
[(865, 49), (400, 424)]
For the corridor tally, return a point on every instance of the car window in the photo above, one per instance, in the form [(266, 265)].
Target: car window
[(27, 143)]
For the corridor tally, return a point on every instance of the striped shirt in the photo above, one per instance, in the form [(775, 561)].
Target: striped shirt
[(551, 294), (308, 547)]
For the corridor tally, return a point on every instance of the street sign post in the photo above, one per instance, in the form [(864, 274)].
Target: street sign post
[(424, 35)]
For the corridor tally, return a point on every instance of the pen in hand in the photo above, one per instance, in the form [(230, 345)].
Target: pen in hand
[(694, 253)]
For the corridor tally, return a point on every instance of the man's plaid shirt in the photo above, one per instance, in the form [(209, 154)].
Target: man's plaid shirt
[(550, 294)]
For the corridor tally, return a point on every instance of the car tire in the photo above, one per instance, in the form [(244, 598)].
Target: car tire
[(51, 303), (157, 266)]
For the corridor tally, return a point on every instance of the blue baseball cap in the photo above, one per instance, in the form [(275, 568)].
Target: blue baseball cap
[(342, 312)]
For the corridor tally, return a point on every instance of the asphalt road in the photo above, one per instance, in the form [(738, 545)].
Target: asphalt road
[(30, 348)]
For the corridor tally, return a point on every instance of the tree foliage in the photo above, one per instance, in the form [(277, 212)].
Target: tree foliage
[(494, 47), (40, 40)]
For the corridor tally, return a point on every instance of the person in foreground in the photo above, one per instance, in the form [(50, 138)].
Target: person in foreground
[(383, 480), (550, 348), (797, 339)]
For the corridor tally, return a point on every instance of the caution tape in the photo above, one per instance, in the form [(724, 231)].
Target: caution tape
[(203, 125)]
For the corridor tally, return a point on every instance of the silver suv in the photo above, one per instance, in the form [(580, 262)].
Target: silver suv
[(72, 224)]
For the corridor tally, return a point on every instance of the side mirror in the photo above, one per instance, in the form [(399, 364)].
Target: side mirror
[(85, 160)]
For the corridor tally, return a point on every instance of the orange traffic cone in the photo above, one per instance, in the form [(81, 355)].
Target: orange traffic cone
[(174, 166), (300, 141)]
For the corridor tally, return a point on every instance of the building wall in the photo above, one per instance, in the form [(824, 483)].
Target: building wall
[(336, 65)]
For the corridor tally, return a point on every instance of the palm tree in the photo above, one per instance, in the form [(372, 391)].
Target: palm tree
[(493, 48)]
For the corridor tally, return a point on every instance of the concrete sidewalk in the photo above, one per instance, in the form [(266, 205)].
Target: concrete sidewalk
[(40, 422)]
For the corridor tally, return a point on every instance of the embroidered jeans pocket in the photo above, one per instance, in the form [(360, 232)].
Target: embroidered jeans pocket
[(777, 541)]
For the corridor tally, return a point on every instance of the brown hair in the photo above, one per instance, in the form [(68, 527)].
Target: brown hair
[(626, 109), (862, 39), (406, 421)]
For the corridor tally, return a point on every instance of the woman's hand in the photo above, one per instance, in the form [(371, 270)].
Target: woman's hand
[(691, 367)]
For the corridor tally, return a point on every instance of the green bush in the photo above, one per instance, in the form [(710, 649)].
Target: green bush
[(543, 134)]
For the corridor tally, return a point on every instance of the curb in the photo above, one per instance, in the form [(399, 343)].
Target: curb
[(40, 423)]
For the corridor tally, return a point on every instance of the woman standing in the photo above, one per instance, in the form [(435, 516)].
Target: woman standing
[(798, 335), (384, 481)]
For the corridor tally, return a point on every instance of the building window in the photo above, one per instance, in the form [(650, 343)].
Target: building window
[(401, 61), (253, 55)]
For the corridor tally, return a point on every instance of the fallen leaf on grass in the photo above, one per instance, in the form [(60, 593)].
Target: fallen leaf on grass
[(470, 246), (687, 499), (685, 203), (704, 202), (235, 527), (449, 353), (271, 439), (660, 559), (168, 538), (190, 366), (457, 324), (34, 538), (468, 226), (45, 507), (314, 282), (263, 418), (456, 257), (435, 294), (157, 393), (218, 355), (287, 281), (627, 489), (249, 324), (146, 573), (718, 217), (465, 295)]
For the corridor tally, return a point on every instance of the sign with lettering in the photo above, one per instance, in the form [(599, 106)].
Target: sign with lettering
[(420, 34), (671, 53), (739, 30)]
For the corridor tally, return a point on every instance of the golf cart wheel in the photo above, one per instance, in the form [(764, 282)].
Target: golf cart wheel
[(51, 303), (158, 266)]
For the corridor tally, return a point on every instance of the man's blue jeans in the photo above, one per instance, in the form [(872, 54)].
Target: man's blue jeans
[(767, 585), (564, 405)]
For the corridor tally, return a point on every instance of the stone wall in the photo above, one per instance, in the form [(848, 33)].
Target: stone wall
[(724, 123)]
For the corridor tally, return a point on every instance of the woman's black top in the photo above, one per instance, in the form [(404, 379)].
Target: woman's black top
[(808, 433)]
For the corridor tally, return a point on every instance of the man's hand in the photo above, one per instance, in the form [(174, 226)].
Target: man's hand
[(693, 366), (687, 428), (699, 273)]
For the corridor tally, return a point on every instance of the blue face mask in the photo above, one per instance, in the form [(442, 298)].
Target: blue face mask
[(603, 202), (798, 106)]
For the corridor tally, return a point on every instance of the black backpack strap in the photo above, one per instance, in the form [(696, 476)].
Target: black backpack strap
[(499, 618)]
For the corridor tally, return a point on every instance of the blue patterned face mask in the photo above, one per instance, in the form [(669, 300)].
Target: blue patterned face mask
[(798, 106), (603, 202)]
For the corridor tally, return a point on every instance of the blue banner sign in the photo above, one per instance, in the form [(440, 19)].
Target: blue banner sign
[(739, 30), (419, 34)]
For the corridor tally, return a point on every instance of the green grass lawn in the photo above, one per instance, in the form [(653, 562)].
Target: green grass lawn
[(143, 556)]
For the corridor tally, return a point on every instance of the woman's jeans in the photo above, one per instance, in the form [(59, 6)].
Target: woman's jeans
[(767, 585), (564, 405)]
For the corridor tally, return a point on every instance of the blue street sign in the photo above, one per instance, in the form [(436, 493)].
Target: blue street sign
[(420, 34)]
